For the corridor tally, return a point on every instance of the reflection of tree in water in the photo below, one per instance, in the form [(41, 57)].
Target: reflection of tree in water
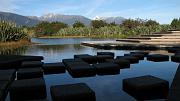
[(52, 47), (78, 47), (61, 48), (13, 50)]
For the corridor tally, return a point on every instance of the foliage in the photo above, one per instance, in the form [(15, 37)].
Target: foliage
[(98, 23), (151, 23), (131, 24), (175, 24), (10, 32), (46, 28), (112, 31), (112, 24), (90, 32), (100, 28), (78, 24)]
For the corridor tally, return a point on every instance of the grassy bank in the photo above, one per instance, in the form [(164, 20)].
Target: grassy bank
[(54, 37), (14, 47), (15, 44), (12, 36), (91, 36)]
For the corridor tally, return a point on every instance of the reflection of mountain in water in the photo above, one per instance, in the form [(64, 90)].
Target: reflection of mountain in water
[(13, 51)]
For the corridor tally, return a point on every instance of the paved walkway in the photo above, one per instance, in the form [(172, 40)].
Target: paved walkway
[(149, 42)]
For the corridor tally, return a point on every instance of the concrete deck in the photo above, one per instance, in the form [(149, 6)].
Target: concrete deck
[(129, 45), (144, 42)]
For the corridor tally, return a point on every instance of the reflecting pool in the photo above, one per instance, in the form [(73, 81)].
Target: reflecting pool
[(107, 88)]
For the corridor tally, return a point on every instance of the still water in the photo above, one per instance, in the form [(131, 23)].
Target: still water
[(107, 88)]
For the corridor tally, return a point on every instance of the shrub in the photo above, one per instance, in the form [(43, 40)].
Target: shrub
[(10, 32), (175, 24), (98, 23), (78, 24), (48, 29)]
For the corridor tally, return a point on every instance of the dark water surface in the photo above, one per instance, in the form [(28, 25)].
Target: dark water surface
[(107, 88)]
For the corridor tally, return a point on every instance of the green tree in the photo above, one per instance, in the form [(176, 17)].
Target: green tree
[(131, 24), (46, 28), (98, 23), (175, 24), (151, 23), (112, 24), (78, 24), (9, 31)]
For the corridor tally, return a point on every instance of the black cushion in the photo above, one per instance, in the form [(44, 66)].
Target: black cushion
[(158, 57), (30, 64), (53, 68), (72, 92), (87, 58), (131, 59), (28, 89), (123, 63), (106, 53), (3, 89), (107, 68), (175, 58), (8, 75), (102, 58), (80, 69), (146, 87), (29, 73)]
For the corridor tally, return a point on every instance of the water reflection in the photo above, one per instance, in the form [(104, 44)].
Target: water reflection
[(62, 41), (55, 53), (107, 88), (13, 51)]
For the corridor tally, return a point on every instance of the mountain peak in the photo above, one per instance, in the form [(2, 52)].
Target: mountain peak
[(117, 20), (52, 17), (49, 15)]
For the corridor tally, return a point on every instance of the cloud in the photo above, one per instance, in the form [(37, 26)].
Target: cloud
[(95, 5), (160, 14), (61, 9), (8, 5)]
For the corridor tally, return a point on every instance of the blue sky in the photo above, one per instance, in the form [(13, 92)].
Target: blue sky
[(160, 10)]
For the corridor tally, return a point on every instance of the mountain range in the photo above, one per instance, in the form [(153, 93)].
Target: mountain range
[(68, 19)]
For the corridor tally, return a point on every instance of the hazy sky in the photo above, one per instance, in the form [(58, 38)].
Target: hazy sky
[(161, 10)]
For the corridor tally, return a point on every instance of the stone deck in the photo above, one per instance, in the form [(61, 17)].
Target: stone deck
[(143, 42)]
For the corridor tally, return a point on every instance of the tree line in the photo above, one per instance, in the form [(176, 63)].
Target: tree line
[(99, 28)]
